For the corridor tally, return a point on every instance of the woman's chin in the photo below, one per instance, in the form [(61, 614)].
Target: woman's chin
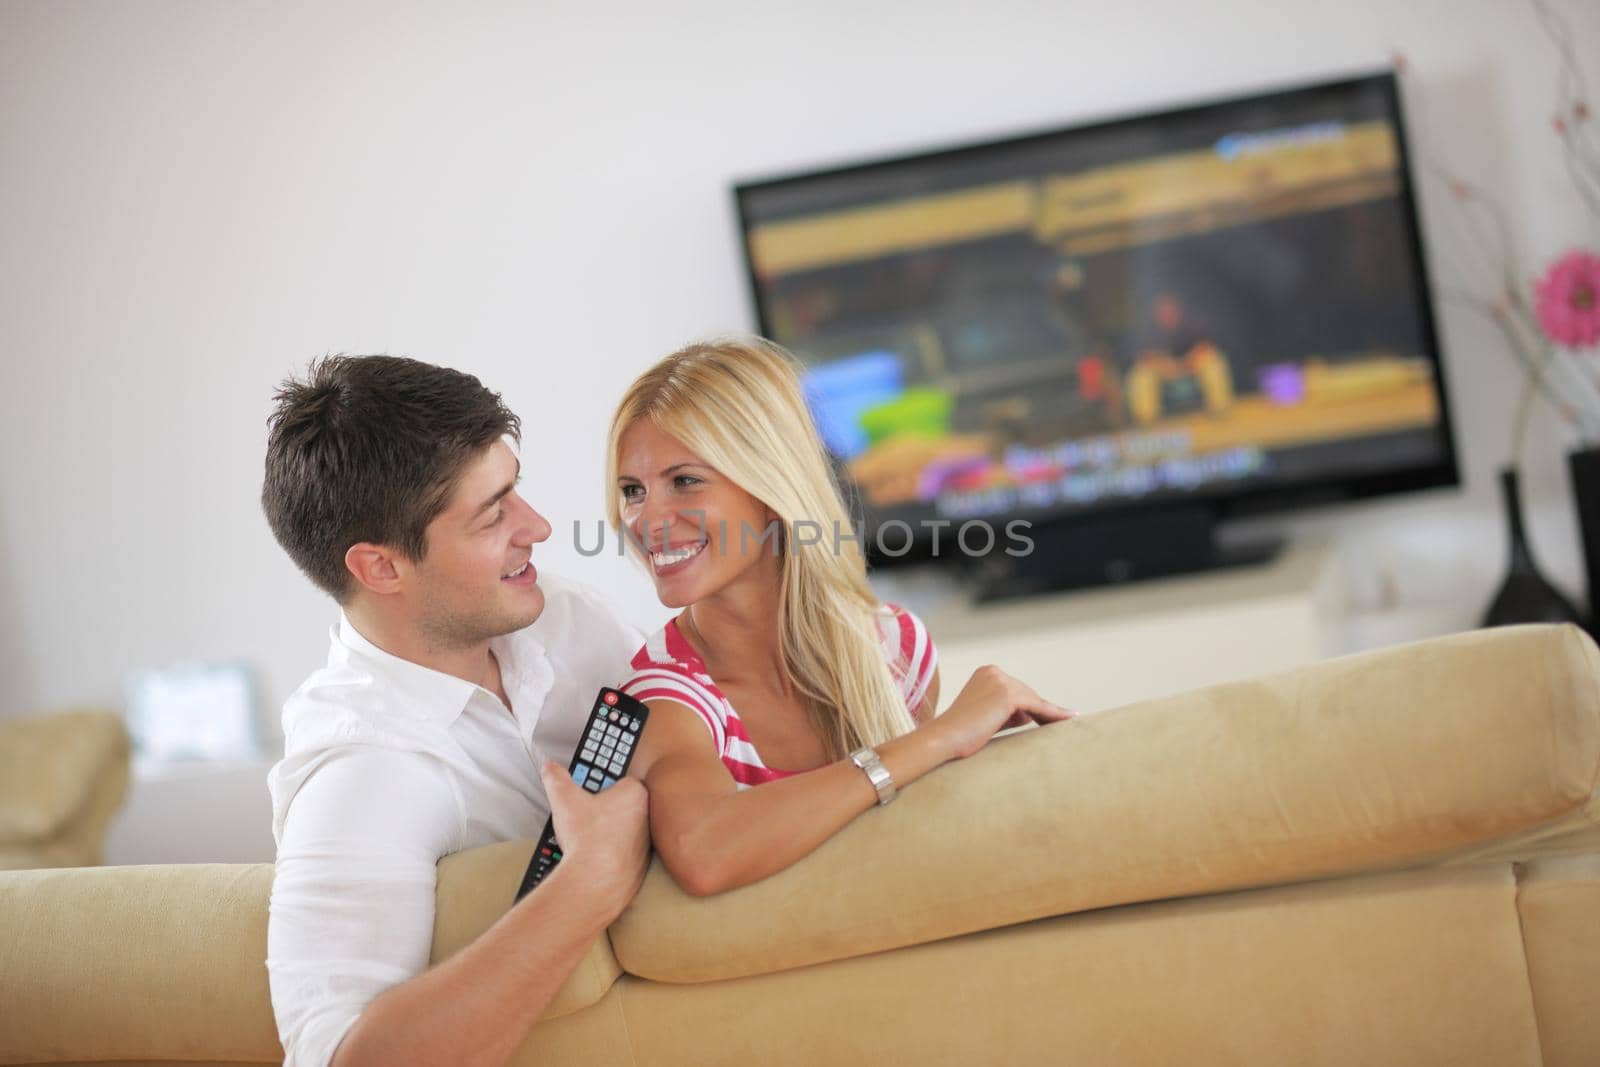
[(674, 594)]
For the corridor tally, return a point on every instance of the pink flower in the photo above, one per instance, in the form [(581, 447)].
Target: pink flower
[(1568, 300)]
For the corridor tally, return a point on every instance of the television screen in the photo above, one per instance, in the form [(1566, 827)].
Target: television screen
[(1224, 303)]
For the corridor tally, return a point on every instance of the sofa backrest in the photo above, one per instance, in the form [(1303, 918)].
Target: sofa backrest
[(136, 963), (1387, 759)]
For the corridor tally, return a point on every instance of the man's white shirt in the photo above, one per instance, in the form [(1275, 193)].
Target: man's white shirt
[(390, 766)]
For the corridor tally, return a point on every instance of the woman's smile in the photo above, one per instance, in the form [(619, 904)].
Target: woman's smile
[(672, 560)]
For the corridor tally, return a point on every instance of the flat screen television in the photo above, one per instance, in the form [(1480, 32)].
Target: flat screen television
[(1103, 340)]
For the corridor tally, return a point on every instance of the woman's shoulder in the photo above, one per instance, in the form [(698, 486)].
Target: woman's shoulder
[(668, 648), (666, 655), (666, 667), (903, 632), (909, 648)]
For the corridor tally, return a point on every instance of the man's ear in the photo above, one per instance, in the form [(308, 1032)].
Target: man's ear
[(376, 568)]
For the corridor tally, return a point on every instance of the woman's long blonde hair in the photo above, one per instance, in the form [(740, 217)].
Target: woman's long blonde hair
[(737, 404)]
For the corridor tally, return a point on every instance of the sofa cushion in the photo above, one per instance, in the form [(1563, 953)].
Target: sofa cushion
[(1558, 901), (1387, 759), (1417, 967)]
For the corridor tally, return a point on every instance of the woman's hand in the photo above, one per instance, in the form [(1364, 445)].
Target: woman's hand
[(991, 701)]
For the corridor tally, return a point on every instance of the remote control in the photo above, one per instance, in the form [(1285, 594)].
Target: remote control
[(600, 760)]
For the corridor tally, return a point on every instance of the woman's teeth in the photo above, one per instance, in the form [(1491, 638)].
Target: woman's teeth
[(668, 557)]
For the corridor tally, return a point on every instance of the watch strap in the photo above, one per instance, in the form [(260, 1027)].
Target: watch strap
[(882, 781)]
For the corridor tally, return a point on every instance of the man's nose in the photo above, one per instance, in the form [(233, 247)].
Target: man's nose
[(534, 526)]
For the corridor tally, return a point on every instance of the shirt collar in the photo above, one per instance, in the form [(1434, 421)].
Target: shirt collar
[(430, 694), (524, 663)]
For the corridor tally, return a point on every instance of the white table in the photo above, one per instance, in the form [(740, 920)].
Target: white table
[(195, 812), (1101, 648)]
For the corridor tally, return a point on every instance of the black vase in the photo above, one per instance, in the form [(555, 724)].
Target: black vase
[(1584, 466), (1525, 595)]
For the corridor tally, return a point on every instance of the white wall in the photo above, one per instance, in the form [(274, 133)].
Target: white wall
[(196, 198)]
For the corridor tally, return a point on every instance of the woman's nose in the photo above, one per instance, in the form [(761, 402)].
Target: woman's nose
[(652, 529), (653, 525)]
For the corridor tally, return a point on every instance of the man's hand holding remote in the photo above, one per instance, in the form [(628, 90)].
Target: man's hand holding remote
[(476, 1007), (605, 838)]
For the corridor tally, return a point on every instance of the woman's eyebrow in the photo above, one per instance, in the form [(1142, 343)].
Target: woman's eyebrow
[(685, 465)]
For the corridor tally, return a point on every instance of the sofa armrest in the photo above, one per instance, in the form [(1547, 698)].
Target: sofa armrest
[(1387, 759)]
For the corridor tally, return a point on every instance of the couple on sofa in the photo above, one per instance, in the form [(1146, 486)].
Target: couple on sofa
[(454, 672)]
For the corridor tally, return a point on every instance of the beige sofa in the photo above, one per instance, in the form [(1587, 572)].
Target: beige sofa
[(62, 779), (1387, 859)]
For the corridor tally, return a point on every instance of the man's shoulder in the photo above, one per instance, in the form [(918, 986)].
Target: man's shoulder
[(336, 704), (347, 700), (368, 796), (354, 719), (354, 704)]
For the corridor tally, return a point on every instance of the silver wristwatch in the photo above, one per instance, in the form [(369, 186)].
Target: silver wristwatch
[(867, 759)]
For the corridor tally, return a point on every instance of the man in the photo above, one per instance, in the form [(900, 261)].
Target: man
[(454, 678)]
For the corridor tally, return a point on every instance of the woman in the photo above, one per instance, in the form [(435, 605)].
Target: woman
[(783, 670)]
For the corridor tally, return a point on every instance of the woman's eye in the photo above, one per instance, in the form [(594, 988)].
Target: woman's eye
[(684, 480), (632, 492)]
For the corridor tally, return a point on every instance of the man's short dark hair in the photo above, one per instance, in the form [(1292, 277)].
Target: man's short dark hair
[(369, 448)]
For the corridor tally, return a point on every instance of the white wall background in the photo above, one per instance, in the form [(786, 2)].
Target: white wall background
[(195, 198)]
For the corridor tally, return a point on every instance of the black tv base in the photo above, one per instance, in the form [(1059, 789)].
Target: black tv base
[(1111, 550)]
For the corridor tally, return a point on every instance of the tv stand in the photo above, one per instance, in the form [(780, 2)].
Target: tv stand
[(1111, 550), (1100, 648)]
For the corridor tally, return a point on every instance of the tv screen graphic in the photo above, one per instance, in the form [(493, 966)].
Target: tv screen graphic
[(1215, 303)]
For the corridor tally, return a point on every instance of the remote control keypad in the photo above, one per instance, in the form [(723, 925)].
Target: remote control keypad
[(604, 752), (601, 759)]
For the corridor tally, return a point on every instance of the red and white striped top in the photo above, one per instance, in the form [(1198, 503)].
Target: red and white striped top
[(668, 668)]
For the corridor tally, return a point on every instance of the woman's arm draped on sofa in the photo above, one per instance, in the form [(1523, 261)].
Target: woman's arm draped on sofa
[(713, 836)]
